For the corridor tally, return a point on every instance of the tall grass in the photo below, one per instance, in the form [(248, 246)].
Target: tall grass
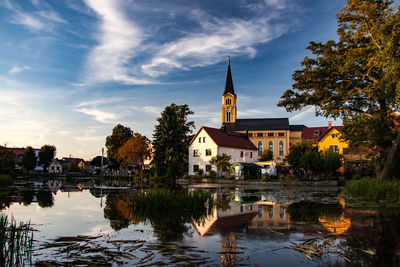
[(16, 242), (373, 189)]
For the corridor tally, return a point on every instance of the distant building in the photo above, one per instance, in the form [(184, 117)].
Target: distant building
[(19, 153), (55, 167), (275, 134), (209, 142)]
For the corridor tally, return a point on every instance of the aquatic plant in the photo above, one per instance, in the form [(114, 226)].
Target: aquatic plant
[(167, 210), (15, 242), (373, 189), (5, 180)]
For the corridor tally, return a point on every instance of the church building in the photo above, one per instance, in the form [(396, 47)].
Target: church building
[(275, 134)]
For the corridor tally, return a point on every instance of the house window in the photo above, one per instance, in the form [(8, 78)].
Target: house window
[(317, 132), (195, 153), (271, 146), (250, 154), (241, 154), (208, 168), (228, 115), (204, 139), (260, 148), (195, 168), (270, 134), (334, 136), (334, 148), (199, 139), (281, 134), (271, 212), (259, 134), (250, 135), (208, 152), (281, 212), (281, 146)]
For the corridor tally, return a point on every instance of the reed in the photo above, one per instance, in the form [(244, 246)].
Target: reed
[(373, 189), (16, 242)]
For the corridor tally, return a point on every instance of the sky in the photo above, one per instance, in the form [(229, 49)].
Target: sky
[(72, 70)]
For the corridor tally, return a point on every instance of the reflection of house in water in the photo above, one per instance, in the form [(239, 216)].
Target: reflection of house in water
[(236, 216), (271, 216), (54, 185)]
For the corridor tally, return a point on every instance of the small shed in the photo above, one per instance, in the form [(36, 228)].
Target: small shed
[(245, 171)]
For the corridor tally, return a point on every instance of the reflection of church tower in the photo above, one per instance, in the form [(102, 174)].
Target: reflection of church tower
[(229, 99)]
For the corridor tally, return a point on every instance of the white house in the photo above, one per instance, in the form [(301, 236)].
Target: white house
[(209, 142), (55, 167)]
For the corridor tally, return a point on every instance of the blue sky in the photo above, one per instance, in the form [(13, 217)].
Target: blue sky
[(71, 70)]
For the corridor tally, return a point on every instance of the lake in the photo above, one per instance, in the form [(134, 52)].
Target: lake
[(118, 225)]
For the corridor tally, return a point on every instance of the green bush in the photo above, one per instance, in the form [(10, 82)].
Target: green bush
[(6, 180), (373, 189), (200, 172)]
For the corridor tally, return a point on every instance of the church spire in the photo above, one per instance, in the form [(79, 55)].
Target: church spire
[(228, 82)]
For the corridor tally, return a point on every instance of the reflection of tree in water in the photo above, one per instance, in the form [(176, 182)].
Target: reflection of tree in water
[(374, 239), (167, 211), (306, 211), (5, 199), (118, 210), (45, 199), (27, 197)]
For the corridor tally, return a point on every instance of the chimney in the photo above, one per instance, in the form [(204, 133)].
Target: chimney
[(329, 124)]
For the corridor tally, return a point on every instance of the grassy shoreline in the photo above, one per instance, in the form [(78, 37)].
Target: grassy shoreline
[(373, 189)]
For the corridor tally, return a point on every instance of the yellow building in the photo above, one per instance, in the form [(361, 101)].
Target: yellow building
[(274, 134), (327, 138)]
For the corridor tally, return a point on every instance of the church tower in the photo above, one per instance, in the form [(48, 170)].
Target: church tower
[(229, 99)]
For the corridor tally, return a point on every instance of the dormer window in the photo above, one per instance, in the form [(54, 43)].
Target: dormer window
[(317, 132)]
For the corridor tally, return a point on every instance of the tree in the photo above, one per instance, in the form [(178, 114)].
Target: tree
[(96, 161), (331, 162), (266, 155), (221, 162), (170, 139), (136, 149), (7, 160), (46, 156), (29, 159), (357, 78), (296, 151), (120, 134)]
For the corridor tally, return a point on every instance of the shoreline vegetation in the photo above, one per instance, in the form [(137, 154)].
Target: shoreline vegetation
[(16, 242), (373, 189)]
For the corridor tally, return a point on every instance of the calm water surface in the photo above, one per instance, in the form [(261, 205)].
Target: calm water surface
[(291, 227)]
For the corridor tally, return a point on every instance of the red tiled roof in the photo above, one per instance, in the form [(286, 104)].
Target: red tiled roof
[(309, 133), (227, 139)]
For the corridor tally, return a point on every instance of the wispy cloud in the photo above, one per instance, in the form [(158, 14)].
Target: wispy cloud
[(17, 69), (218, 37), (44, 18), (279, 4), (99, 115), (302, 116), (119, 39), (131, 53)]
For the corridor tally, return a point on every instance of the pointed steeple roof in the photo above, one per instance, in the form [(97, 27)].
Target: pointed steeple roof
[(228, 82)]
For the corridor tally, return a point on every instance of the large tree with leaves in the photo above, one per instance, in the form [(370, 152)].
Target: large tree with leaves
[(46, 155), (120, 134), (170, 139), (357, 79), (29, 159), (136, 149), (7, 160)]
